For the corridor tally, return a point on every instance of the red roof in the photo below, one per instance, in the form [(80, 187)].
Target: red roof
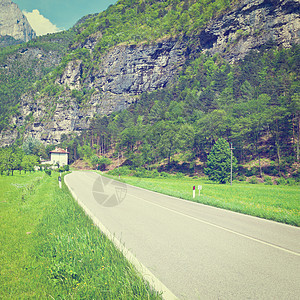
[(59, 150)]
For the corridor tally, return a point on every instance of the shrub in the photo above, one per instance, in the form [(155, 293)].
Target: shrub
[(61, 169), (66, 168), (240, 171), (268, 180), (48, 172), (270, 170), (241, 178), (142, 172), (291, 181), (179, 175), (249, 172), (253, 180), (281, 181), (155, 174), (296, 175), (165, 175)]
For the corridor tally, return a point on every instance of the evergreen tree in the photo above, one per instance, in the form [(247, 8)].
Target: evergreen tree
[(219, 162)]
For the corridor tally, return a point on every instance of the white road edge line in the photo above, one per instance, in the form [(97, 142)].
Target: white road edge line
[(144, 271), (220, 227)]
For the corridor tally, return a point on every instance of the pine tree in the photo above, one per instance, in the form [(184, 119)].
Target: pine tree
[(219, 162)]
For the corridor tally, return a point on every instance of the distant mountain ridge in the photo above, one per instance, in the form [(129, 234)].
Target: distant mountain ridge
[(13, 24)]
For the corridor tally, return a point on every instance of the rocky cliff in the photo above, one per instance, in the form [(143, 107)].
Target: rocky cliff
[(13, 23), (251, 25), (127, 71), (124, 73)]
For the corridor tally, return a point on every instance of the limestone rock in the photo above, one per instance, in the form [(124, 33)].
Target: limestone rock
[(72, 75), (251, 25), (139, 68), (13, 23)]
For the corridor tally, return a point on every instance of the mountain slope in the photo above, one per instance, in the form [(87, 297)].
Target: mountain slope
[(22, 65), (137, 47)]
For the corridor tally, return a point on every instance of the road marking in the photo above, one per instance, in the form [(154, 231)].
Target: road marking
[(143, 270), (206, 222), (220, 227)]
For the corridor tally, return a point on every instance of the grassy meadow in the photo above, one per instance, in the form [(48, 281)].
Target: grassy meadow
[(279, 203), (49, 249)]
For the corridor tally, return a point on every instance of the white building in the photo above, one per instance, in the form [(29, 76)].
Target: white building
[(59, 156)]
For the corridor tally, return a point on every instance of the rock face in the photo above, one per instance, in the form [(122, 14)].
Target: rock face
[(127, 71), (72, 75), (13, 23), (124, 73), (253, 24), (137, 69)]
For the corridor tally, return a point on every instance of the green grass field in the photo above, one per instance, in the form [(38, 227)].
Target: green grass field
[(278, 203), (49, 249)]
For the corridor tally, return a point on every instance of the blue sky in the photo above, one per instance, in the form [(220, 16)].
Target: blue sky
[(58, 14)]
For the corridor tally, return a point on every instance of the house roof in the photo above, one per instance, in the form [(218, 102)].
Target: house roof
[(59, 150)]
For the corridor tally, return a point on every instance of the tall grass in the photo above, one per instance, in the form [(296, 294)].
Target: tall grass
[(278, 203), (51, 249)]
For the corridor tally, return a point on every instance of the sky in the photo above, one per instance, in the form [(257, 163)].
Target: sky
[(49, 16)]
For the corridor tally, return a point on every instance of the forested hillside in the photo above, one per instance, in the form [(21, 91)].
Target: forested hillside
[(254, 104), (24, 64)]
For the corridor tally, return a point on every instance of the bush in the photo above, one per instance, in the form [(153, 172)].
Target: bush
[(296, 175), (268, 180), (270, 170), (241, 178), (124, 171), (48, 172), (155, 174), (179, 175), (61, 169), (253, 180), (165, 175), (66, 168), (281, 181), (142, 172), (251, 172), (240, 170), (291, 181)]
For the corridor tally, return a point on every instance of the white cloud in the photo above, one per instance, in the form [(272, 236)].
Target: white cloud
[(39, 23)]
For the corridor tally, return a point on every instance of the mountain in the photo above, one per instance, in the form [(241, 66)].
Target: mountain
[(13, 24), (135, 48)]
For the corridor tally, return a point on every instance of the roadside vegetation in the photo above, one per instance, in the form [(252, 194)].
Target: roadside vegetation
[(51, 249), (279, 203)]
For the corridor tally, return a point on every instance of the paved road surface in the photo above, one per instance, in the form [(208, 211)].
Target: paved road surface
[(197, 251)]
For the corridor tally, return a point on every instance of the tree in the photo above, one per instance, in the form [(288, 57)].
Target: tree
[(295, 107), (101, 161), (219, 162), (32, 146), (29, 162), (169, 139), (15, 160)]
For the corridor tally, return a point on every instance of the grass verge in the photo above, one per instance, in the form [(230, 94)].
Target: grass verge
[(51, 249), (278, 203)]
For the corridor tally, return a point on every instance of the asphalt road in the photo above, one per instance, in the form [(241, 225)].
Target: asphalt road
[(197, 251)]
